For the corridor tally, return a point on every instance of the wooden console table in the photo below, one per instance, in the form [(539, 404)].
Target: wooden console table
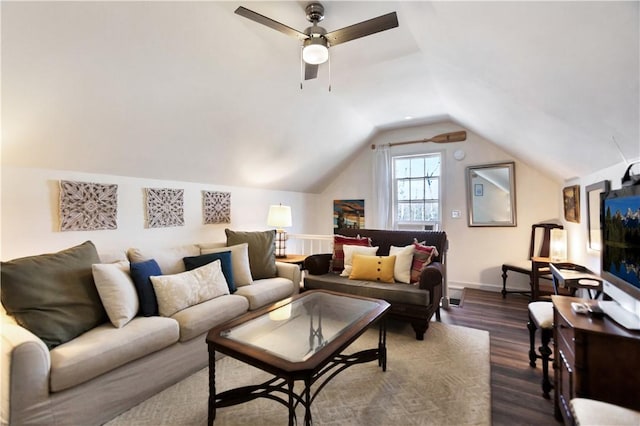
[(593, 358)]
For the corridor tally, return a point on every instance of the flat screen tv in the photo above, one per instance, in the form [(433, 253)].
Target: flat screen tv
[(621, 253)]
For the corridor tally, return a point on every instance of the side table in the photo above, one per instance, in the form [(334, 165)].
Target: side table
[(296, 259)]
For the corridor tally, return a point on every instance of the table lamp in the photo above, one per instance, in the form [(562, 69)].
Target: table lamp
[(558, 249), (280, 217)]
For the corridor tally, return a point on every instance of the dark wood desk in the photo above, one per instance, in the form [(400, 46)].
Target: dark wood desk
[(593, 358)]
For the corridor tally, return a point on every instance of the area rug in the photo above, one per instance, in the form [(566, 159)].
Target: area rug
[(443, 380)]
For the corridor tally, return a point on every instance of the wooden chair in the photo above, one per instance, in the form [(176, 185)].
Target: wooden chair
[(524, 267), (541, 316)]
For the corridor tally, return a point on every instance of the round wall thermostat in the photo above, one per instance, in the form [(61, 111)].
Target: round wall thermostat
[(458, 154)]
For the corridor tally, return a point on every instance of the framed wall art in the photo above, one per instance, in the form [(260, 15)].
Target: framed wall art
[(88, 206), (165, 207), (216, 207), (348, 214), (592, 192), (571, 198)]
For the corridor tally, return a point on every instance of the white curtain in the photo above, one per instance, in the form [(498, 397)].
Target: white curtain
[(382, 187)]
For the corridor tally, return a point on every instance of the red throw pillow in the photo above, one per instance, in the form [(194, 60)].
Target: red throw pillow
[(337, 261), (422, 256)]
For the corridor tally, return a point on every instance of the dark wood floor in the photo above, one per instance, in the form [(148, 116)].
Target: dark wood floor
[(515, 386)]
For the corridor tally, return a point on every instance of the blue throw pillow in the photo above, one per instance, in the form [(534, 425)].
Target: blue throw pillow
[(140, 273), (224, 257)]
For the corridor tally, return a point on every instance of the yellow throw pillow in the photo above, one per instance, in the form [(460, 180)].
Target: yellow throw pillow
[(373, 268)]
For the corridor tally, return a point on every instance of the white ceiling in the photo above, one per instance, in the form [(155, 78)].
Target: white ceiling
[(190, 91)]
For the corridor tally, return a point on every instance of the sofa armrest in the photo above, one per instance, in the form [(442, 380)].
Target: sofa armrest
[(25, 366), (290, 271), (431, 279), (318, 264)]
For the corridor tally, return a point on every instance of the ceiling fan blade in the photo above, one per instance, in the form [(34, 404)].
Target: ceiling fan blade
[(365, 28), (261, 19), (310, 71)]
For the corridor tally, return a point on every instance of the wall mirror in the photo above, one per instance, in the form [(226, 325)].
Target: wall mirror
[(593, 212), (491, 194)]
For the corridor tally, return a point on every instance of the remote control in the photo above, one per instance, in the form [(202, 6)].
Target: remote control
[(579, 308)]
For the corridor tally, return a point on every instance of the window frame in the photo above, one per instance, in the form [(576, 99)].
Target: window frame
[(395, 202)]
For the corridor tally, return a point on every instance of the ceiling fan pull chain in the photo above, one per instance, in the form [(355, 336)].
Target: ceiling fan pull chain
[(301, 67), (329, 63)]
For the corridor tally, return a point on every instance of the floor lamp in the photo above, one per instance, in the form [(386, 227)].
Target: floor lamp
[(280, 217)]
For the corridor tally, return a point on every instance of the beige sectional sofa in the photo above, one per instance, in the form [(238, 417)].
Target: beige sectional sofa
[(107, 370)]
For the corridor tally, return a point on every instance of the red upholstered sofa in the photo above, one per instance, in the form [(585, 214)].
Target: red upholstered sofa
[(415, 303)]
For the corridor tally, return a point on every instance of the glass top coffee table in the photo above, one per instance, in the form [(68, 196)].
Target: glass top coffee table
[(300, 339)]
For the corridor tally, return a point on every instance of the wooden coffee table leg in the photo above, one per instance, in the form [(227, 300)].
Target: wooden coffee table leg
[(382, 345), (307, 401), (212, 387)]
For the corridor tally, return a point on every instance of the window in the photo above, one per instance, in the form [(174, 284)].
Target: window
[(416, 191)]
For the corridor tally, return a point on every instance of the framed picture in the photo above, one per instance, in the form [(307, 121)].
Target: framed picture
[(478, 190), (571, 197), (592, 192), (348, 214)]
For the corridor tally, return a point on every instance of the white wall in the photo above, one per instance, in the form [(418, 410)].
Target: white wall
[(30, 221), (475, 254)]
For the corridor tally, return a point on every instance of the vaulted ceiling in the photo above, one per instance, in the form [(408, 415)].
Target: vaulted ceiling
[(190, 91)]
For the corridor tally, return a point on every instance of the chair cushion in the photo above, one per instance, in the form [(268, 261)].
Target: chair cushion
[(588, 412), (392, 293), (105, 348), (542, 314)]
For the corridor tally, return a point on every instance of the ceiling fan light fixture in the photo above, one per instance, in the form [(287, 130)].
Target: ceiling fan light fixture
[(315, 51)]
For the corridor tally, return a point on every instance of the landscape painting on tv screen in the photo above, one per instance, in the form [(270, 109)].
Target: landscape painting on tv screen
[(622, 238)]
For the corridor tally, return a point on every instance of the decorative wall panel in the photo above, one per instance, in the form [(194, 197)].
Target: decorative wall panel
[(88, 206), (165, 207), (216, 207)]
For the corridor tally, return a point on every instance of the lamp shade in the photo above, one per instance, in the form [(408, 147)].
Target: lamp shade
[(279, 216), (315, 51), (558, 248)]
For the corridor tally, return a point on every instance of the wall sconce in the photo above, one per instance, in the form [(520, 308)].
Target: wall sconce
[(280, 217), (558, 249)]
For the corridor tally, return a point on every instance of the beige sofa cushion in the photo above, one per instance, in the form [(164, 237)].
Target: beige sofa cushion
[(239, 260), (105, 348), (266, 291), (117, 291), (202, 317), (169, 259)]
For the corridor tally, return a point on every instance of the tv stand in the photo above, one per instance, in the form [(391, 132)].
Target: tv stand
[(619, 314), (593, 358)]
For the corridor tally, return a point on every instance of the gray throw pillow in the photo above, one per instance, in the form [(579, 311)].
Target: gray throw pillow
[(54, 295), (262, 251)]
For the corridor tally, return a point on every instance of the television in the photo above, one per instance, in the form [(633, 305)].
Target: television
[(620, 219)]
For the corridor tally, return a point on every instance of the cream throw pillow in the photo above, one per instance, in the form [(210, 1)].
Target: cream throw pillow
[(350, 251), (404, 258), (239, 262), (179, 291), (117, 291)]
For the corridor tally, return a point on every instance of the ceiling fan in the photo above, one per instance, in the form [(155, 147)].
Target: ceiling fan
[(315, 39)]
